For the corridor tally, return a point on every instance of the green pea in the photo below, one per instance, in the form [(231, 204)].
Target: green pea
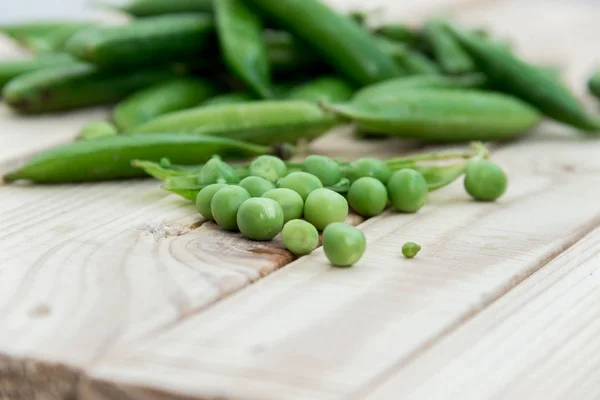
[(256, 186), (301, 182), (343, 244), (268, 167), (300, 237), (225, 204), (217, 171), (204, 199), (367, 196), (260, 218), (410, 249), (324, 168), (407, 190), (369, 167), (323, 207), (291, 203), (484, 180)]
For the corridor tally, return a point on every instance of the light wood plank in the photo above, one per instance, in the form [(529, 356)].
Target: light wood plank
[(310, 326), (540, 341)]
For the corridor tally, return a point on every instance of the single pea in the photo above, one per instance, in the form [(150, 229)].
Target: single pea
[(343, 244), (217, 171), (260, 218), (324, 168), (204, 199), (291, 203), (269, 167), (256, 186), (410, 249), (300, 237), (369, 167), (300, 182), (323, 207), (368, 196), (225, 204), (407, 190), (484, 180)]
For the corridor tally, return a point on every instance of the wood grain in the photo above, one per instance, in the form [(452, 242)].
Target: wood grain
[(539, 341), (311, 328)]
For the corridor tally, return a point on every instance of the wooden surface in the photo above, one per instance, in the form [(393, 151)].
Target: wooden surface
[(120, 291)]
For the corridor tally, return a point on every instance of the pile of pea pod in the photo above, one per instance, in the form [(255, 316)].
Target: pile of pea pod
[(195, 84)]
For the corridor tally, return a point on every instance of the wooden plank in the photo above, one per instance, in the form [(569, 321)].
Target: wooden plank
[(540, 341), (310, 328)]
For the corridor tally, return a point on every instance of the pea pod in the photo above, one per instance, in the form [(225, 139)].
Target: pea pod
[(526, 81), (149, 8), (443, 115), (162, 98), (242, 44), (230, 98), (416, 63), (10, 69), (446, 49), (97, 129), (399, 32), (262, 122), (143, 42), (22, 31), (286, 54), (394, 87), (109, 158), (76, 86), (326, 88), (164, 170), (339, 40), (184, 186), (594, 84), (438, 176)]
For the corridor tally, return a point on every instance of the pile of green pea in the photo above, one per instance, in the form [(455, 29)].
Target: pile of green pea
[(298, 204)]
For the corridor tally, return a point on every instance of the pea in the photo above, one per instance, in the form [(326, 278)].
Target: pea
[(268, 167), (260, 218), (324, 168), (323, 207), (300, 237), (217, 171), (291, 203), (204, 199), (225, 204), (301, 182), (343, 244), (484, 180), (367, 196), (256, 186), (410, 249), (369, 167), (407, 190)]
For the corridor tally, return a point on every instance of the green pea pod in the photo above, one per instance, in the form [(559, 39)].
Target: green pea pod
[(326, 88), (339, 40), (76, 86), (242, 44), (526, 81), (286, 54), (261, 122), (438, 177), (162, 98), (160, 171), (399, 32), (446, 49), (10, 69), (109, 158), (21, 31), (443, 115), (143, 42), (150, 8), (394, 87), (230, 98), (416, 63), (97, 129), (594, 84), (184, 186)]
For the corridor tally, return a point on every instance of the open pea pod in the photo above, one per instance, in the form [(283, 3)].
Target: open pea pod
[(184, 186), (438, 176), (164, 171)]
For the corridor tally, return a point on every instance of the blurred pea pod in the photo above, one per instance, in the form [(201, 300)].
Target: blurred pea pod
[(446, 49), (242, 45), (162, 98), (149, 8), (97, 129), (326, 88), (230, 98), (11, 69)]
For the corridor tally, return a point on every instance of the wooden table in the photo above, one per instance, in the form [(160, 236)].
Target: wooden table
[(120, 291)]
